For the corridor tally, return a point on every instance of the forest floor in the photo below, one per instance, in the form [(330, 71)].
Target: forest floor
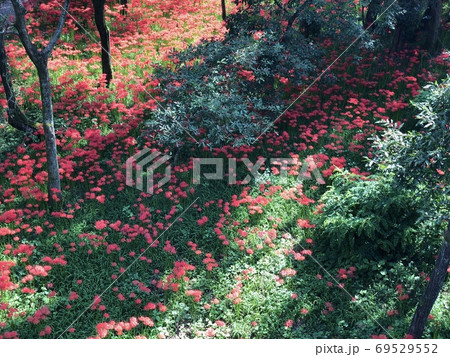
[(197, 260)]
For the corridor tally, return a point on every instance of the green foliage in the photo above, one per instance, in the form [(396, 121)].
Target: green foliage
[(9, 140), (314, 19), (230, 91), (366, 219), (421, 158), (225, 91), (394, 11), (406, 13)]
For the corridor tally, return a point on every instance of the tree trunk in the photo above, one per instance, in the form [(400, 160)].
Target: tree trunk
[(224, 10), (433, 24), (40, 60), (99, 15), (54, 183), (372, 12), (434, 286), (16, 118), (124, 4), (399, 38)]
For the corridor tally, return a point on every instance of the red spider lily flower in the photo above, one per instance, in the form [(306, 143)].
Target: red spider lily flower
[(289, 323), (101, 224), (379, 337), (197, 294), (202, 221)]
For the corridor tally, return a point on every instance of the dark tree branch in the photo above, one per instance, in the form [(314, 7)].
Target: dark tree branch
[(16, 118), (20, 25), (292, 19), (99, 16), (433, 289), (224, 10), (372, 12), (62, 19), (296, 14), (279, 5), (40, 60), (124, 4), (30, 47), (433, 17)]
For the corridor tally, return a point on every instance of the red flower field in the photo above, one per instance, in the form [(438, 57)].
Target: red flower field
[(208, 260)]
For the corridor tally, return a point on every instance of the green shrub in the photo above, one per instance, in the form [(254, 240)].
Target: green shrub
[(420, 159), (227, 91), (367, 218), (230, 91)]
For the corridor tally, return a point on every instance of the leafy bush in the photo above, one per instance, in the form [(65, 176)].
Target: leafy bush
[(366, 219), (420, 159), (404, 12), (231, 90), (314, 19), (226, 91)]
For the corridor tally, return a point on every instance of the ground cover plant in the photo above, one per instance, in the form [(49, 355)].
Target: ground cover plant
[(346, 253)]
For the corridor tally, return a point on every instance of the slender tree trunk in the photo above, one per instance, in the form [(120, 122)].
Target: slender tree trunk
[(99, 15), (399, 38), (16, 118), (433, 289), (433, 24), (124, 4), (372, 12), (40, 60), (292, 19), (54, 183), (224, 10)]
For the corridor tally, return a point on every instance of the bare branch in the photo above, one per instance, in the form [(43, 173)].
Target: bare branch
[(20, 24), (62, 18), (21, 27)]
